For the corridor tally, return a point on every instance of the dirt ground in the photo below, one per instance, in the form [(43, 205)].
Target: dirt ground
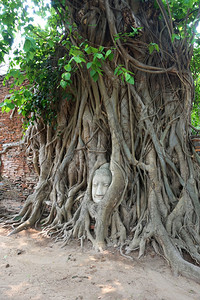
[(34, 267)]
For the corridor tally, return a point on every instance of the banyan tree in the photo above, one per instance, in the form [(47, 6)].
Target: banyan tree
[(110, 131)]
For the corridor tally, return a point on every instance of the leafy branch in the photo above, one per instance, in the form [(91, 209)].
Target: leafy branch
[(124, 74)]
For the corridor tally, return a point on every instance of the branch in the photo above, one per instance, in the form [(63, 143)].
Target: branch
[(137, 64), (165, 16), (11, 145)]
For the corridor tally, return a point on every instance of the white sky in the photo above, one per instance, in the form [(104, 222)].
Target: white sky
[(198, 28)]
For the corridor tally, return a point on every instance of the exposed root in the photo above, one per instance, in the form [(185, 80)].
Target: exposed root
[(140, 131), (124, 255)]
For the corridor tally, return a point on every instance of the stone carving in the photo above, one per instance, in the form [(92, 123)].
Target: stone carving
[(100, 183)]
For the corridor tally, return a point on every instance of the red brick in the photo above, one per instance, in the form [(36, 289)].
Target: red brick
[(14, 164)]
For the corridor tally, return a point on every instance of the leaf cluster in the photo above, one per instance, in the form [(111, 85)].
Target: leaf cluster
[(13, 17), (124, 36), (184, 16), (37, 63)]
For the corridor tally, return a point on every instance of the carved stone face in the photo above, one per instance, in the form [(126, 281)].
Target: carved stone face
[(101, 181)]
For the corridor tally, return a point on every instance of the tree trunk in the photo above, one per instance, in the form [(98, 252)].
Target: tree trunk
[(141, 130)]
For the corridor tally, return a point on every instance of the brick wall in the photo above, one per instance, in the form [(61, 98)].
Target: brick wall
[(14, 164)]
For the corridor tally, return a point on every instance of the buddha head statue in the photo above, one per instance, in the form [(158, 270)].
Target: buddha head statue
[(100, 183)]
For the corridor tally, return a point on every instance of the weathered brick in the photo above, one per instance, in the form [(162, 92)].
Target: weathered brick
[(14, 164)]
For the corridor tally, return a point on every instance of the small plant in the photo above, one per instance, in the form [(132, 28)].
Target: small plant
[(124, 36), (125, 74)]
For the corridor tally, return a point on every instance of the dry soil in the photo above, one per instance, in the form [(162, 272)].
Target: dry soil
[(34, 267)]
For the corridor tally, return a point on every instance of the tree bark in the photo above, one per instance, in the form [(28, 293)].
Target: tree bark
[(141, 130)]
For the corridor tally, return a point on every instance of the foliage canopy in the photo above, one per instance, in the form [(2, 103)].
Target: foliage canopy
[(49, 58)]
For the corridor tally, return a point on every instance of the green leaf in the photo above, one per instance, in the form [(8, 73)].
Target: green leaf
[(27, 93), (51, 43), (118, 71), (30, 55), (99, 56), (127, 76), (124, 70), (20, 79), (19, 102), (152, 47), (68, 67), (131, 80), (90, 50), (117, 37), (79, 60), (110, 57), (175, 36), (97, 63), (10, 105), (66, 76), (156, 47), (63, 84), (89, 65), (15, 73), (92, 73), (189, 3), (101, 48), (95, 77), (29, 44), (6, 109), (108, 53), (75, 51)]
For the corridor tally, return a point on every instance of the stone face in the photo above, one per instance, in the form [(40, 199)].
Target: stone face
[(14, 164)]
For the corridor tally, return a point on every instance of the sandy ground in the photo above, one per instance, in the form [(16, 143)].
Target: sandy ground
[(33, 267)]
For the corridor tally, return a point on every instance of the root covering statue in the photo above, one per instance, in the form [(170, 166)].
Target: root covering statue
[(122, 94)]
